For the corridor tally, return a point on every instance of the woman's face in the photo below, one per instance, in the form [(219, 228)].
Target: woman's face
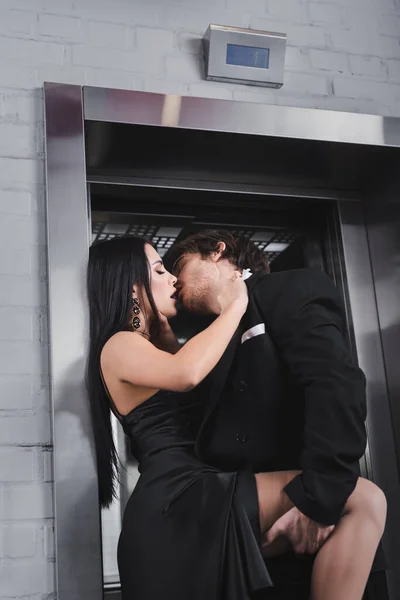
[(162, 284)]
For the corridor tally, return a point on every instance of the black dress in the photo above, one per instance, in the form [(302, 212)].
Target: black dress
[(190, 531)]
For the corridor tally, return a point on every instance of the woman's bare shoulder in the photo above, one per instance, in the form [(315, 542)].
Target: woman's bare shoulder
[(121, 341), (133, 359)]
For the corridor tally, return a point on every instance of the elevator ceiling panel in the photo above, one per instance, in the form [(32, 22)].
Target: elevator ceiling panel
[(164, 232), (160, 236)]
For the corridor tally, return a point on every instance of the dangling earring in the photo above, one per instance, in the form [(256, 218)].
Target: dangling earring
[(135, 310)]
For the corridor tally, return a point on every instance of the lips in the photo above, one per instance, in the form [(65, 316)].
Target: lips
[(177, 296)]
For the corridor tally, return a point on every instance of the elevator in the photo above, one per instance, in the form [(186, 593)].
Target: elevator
[(310, 188)]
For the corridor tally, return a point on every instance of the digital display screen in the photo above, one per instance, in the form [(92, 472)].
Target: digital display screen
[(247, 56)]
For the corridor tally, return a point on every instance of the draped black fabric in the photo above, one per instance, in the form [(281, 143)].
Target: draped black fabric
[(188, 529)]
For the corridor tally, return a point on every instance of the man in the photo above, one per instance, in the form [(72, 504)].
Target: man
[(286, 394)]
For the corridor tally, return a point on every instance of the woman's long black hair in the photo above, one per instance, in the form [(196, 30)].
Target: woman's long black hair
[(114, 268)]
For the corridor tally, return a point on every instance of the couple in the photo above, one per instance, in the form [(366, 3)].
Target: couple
[(261, 459)]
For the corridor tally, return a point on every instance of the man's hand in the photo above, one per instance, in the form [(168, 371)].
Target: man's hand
[(305, 536), (166, 339)]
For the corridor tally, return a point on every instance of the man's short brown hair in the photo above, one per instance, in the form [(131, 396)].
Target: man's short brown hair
[(241, 252)]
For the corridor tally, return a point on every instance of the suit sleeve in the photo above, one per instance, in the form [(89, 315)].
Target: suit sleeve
[(307, 325)]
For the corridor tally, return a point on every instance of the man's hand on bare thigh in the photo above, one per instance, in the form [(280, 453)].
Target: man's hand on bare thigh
[(305, 536)]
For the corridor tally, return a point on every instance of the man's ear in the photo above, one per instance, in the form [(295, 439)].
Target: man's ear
[(221, 247)]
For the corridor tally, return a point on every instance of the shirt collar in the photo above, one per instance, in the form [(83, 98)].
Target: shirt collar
[(246, 273)]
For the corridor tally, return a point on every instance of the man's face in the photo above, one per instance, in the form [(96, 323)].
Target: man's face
[(197, 284)]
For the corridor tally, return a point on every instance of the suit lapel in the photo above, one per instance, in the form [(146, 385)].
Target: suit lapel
[(251, 281)]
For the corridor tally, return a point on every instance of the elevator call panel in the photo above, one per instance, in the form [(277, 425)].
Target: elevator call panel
[(247, 56)]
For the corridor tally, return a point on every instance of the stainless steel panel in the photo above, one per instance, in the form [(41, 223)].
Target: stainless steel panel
[(78, 547), (365, 322), (383, 226), (225, 186), (121, 106)]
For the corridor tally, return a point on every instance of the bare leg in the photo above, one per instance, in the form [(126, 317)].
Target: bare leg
[(343, 563), (274, 503)]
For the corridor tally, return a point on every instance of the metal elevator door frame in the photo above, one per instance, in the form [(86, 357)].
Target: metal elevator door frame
[(78, 542)]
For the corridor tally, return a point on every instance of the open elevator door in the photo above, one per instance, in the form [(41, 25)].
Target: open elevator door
[(300, 202), (292, 233)]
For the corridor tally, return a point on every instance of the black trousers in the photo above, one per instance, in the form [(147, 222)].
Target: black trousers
[(291, 576)]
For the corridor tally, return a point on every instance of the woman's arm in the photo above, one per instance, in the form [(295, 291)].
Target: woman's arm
[(139, 362)]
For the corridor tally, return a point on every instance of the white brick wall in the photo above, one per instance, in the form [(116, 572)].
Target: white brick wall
[(342, 55)]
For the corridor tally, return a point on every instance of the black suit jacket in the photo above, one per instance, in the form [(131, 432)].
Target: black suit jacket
[(286, 394)]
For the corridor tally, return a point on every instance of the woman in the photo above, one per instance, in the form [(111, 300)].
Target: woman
[(186, 532)]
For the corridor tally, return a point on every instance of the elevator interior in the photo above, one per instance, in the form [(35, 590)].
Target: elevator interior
[(165, 184), (306, 201)]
